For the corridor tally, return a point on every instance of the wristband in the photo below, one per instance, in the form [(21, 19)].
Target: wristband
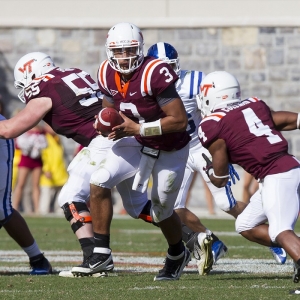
[(225, 176), (298, 121), (151, 128)]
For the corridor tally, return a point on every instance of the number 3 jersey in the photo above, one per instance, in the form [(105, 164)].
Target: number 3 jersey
[(250, 136), (75, 101), (137, 99)]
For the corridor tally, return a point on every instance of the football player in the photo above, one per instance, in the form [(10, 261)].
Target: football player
[(67, 100), (187, 87), (10, 219), (151, 141), (248, 133)]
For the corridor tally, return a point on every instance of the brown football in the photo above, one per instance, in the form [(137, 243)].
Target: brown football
[(107, 119)]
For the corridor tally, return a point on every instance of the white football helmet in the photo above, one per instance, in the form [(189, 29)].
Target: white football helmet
[(29, 67), (217, 90), (124, 36)]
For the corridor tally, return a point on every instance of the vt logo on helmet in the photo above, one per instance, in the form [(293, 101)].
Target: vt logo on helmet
[(217, 90), (29, 67)]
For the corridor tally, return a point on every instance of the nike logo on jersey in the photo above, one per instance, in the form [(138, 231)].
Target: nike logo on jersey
[(131, 94)]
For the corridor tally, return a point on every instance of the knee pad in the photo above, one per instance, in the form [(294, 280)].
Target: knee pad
[(160, 213), (72, 210), (101, 178), (238, 226)]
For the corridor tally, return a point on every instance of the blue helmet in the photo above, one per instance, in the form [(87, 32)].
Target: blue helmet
[(167, 53)]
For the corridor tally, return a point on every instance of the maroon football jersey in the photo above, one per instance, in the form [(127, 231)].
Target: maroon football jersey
[(75, 102), (137, 98), (251, 138)]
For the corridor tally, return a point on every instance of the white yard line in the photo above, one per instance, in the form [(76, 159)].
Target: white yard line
[(135, 263)]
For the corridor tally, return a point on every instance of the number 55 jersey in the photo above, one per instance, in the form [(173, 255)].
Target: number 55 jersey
[(75, 101), (251, 138)]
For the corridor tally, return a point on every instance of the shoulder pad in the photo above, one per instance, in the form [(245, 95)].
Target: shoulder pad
[(102, 75), (146, 76)]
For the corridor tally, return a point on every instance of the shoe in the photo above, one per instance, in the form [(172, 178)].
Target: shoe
[(279, 254), (203, 253), (71, 275), (296, 276), (96, 263), (219, 250), (40, 265), (173, 268)]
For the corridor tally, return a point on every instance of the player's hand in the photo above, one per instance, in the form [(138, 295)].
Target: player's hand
[(209, 166), (233, 173), (127, 128)]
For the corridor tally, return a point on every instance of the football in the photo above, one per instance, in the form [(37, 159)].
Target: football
[(107, 119)]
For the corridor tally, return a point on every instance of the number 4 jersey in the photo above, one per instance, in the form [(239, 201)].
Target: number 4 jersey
[(75, 101), (250, 136)]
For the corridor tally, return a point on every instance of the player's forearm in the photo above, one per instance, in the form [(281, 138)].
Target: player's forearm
[(7, 132), (171, 124), (285, 120)]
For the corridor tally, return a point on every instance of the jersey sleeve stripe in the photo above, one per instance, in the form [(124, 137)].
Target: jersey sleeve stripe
[(102, 75), (45, 77), (215, 117), (146, 77), (254, 99)]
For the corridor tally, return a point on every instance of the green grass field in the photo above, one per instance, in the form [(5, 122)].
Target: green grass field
[(247, 272)]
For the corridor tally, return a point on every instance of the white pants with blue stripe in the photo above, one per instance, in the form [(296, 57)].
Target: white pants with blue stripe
[(223, 197)]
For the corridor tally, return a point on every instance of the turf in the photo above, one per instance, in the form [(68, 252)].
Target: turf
[(136, 238)]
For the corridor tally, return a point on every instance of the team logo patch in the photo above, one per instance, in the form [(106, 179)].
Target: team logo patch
[(113, 92)]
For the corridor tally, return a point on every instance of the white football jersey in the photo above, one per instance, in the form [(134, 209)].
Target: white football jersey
[(187, 87)]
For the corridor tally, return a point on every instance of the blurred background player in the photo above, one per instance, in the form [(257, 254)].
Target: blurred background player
[(54, 174), (11, 219), (30, 165)]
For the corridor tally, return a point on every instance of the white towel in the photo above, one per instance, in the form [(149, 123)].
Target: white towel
[(142, 176)]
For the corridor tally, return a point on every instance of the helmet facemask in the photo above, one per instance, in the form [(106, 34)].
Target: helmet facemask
[(124, 47), (125, 58)]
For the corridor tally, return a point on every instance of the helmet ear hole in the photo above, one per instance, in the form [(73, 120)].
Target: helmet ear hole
[(207, 102)]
